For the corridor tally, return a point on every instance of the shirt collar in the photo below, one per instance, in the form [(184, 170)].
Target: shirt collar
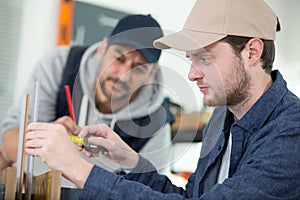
[(254, 119)]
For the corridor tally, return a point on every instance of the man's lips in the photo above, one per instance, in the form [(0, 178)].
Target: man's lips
[(118, 85), (203, 88)]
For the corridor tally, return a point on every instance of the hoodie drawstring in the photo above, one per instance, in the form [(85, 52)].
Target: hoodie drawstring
[(83, 111)]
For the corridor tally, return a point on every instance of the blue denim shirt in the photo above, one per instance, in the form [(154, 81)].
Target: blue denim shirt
[(264, 163)]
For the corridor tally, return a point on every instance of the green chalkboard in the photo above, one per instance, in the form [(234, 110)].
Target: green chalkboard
[(91, 22)]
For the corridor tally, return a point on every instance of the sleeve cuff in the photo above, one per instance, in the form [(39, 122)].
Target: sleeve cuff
[(143, 166), (98, 184)]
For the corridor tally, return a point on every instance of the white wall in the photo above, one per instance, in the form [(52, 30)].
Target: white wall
[(39, 36), (287, 56)]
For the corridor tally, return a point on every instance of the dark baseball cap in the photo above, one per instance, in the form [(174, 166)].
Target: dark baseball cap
[(139, 31)]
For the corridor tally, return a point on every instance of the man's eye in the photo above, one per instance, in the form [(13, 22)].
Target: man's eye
[(139, 70), (120, 59), (205, 60)]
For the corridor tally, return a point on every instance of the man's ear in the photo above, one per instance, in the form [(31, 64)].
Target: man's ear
[(254, 49), (102, 48)]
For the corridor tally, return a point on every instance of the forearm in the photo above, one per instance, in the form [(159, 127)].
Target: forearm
[(79, 173), (146, 174), (102, 184)]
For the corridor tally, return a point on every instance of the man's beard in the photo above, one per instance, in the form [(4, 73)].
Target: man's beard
[(115, 95), (235, 88), (240, 85)]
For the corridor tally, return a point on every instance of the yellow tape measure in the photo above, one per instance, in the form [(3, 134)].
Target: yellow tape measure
[(77, 139), (90, 147)]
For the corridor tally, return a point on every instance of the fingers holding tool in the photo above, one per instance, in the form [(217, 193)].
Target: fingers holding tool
[(88, 148), (115, 148), (51, 143)]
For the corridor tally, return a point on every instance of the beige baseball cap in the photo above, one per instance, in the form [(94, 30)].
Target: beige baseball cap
[(212, 20)]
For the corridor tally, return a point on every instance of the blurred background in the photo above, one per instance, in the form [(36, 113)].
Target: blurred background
[(31, 28)]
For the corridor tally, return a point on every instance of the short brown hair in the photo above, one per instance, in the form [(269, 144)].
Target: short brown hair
[(238, 43)]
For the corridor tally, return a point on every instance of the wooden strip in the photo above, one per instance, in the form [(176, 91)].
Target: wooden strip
[(47, 186), (8, 178), (20, 187)]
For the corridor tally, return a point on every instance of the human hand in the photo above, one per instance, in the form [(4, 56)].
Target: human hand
[(9, 149), (117, 150), (52, 144), (69, 124), (3, 163)]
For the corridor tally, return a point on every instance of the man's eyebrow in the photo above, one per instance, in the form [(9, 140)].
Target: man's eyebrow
[(197, 53), (144, 65), (120, 52)]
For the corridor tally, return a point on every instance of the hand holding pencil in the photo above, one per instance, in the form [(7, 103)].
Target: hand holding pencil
[(68, 122), (82, 142)]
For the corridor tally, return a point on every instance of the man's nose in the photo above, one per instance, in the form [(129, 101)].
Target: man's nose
[(125, 71), (194, 73)]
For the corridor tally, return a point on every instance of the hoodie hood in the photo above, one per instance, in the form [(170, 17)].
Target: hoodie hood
[(148, 100)]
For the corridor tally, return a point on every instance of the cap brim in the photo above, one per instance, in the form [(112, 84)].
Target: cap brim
[(141, 39), (186, 40), (150, 54)]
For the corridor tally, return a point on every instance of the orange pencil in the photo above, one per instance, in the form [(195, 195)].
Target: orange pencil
[(69, 101)]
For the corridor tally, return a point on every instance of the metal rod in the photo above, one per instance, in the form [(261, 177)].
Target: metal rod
[(30, 158)]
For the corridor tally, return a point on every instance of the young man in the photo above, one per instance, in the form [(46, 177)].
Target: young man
[(250, 146), (119, 83)]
